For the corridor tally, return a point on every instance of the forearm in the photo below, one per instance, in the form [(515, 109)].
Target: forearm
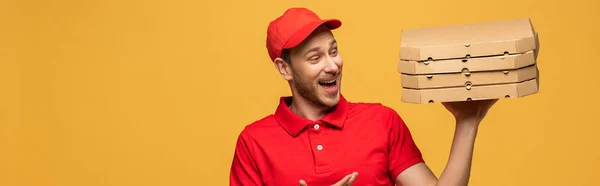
[(458, 168)]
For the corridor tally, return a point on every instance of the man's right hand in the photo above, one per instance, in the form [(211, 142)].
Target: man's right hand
[(346, 181)]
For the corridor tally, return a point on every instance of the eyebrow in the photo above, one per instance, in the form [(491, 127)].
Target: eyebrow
[(312, 50), (318, 48)]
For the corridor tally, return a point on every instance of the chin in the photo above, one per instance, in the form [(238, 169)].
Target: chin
[(331, 100)]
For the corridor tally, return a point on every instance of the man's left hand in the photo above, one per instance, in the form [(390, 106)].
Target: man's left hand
[(470, 112)]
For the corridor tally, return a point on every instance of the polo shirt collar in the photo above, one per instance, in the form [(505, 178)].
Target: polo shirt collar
[(294, 123)]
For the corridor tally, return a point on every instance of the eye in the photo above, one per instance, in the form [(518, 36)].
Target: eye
[(334, 51), (314, 58)]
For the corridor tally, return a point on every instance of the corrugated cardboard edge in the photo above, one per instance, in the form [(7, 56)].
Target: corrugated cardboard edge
[(477, 78), (474, 50), (525, 60), (492, 92), (526, 73), (411, 96), (525, 44), (525, 89), (410, 53), (409, 81), (417, 68), (537, 48), (408, 67)]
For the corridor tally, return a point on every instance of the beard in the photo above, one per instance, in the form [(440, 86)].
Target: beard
[(309, 90)]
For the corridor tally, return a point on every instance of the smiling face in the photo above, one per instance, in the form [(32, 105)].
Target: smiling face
[(315, 68)]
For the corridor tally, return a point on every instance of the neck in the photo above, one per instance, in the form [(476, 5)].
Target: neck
[(307, 109)]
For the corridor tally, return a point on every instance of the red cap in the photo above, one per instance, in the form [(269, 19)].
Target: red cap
[(291, 28)]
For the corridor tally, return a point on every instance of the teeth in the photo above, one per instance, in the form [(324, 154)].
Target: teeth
[(328, 81)]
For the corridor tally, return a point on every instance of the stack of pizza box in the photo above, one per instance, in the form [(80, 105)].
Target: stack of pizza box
[(464, 62)]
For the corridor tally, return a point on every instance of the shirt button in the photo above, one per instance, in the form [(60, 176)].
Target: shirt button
[(319, 147), (316, 126)]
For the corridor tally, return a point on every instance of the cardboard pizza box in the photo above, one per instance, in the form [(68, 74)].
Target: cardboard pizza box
[(463, 41), (468, 79), (500, 91), (478, 64)]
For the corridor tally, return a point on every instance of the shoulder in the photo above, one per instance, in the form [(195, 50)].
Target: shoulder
[(371, 109), (259, 125), (264, 122), (377, 114)]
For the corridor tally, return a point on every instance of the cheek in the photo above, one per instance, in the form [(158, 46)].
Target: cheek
[(309, 73), (314, 74)]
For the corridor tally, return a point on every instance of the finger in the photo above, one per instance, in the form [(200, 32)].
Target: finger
[(352, 178), (343, 181), (303, 183)]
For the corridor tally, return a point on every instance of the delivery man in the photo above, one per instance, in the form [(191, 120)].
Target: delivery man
[(316, 137)]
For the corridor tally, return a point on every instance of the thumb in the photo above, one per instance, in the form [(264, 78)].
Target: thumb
[(303, 183)]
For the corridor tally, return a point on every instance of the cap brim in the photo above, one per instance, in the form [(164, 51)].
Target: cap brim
[(305, 31)]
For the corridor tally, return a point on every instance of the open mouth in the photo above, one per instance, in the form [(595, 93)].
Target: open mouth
[(329, 86)]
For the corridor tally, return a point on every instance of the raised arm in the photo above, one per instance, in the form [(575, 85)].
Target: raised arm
[(468, 116)]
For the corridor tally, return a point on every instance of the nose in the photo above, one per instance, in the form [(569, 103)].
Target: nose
[(331, 66)]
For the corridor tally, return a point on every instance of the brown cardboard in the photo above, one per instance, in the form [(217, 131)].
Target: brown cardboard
[(504, 62), (512, 90), (462, 40), (467, 78)]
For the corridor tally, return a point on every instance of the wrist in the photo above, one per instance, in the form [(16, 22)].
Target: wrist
[(465, 132), (465, 124)]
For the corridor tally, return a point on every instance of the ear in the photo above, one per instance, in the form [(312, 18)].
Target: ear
[(283, 68)]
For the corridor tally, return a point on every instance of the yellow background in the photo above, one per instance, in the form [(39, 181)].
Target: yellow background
[(127, 93)]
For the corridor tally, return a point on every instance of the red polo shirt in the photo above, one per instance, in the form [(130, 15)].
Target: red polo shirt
[(282, 148)]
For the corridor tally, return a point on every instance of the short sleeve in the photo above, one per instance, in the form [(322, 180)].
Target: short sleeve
[(403, 152), (243, 168)]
